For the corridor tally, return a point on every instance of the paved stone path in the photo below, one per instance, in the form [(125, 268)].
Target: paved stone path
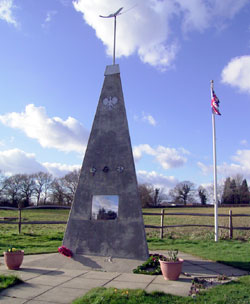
[(53, 278)]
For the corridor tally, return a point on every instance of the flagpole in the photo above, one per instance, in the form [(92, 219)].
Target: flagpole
[(215, 173)]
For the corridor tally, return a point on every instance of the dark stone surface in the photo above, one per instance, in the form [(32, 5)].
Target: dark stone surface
[(109, 146)]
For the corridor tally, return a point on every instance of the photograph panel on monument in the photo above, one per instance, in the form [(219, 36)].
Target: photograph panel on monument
[(105, 207)]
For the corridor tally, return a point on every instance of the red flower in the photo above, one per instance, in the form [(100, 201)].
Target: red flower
[(65, 251)]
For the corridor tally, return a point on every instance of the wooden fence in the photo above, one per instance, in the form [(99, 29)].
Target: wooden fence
[(162, 215)]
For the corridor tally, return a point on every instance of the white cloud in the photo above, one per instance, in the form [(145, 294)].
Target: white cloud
[(149, 119), (64, 135), (6, 12), (49, 16), (236, 73), (146, 28), (204, 168), (243, 158), (241, 165), (201, 14), (167, 157), (58, 169), (158, 180), (16, 161)]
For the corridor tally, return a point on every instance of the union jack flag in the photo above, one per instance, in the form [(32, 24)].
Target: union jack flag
[(215, 104)]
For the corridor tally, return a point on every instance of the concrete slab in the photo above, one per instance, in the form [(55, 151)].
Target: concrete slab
[(100, 275), (8, 300), (25, 291), (81, 263), (217, 266), (68, 272), (84, 283), (160, 280), (61, 295), (38, 302), (49, 280), (26, 273), (131, 277), (199, 271)]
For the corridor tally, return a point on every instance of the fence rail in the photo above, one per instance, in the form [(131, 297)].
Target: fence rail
[(162, 214), (230, 226)]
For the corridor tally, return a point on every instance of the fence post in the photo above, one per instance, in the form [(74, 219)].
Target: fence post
[(230, 224), (162, 224), (20, 220)]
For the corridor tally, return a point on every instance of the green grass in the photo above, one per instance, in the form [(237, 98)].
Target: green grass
[(33, 238), (231, 252), (8, 281), (31, 243), (236, 292)]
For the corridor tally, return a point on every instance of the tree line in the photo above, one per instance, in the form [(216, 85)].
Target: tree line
[(235, 190), (41, 188)]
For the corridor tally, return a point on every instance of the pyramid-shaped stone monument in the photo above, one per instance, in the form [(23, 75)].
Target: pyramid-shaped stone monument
[(106, 215)]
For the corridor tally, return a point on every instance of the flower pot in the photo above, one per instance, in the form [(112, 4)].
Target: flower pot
[(13, 260), (171, 270)]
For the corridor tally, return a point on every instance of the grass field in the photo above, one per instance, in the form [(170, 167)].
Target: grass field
[(194, 240), (181, 232)]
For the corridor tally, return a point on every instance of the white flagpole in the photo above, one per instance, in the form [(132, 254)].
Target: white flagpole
[(215, 173)]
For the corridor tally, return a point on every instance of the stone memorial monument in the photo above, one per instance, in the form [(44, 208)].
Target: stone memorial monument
[(106, 215)]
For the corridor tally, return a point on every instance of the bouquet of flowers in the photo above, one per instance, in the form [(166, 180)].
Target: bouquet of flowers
[(65, 251)]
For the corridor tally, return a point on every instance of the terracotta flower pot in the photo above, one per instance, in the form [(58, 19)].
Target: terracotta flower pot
[(171, 270), (13, 260)]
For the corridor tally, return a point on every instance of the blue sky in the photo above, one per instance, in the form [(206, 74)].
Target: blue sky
[(52, 59)]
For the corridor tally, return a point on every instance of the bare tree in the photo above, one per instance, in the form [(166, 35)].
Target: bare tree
[(146, 192), (182, 192), (27, 185), (210, 192), (12, 189), (70, 182), (43, 181), (58, 195), (2, 182), (202, 195)]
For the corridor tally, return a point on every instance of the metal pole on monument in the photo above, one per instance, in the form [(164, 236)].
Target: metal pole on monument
[(114, 39), (214, 167), (114, 16)]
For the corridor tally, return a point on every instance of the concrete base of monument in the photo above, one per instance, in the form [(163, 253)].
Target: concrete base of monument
[(79, 262)]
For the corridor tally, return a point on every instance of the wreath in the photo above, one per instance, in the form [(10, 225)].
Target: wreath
[(151, 266)]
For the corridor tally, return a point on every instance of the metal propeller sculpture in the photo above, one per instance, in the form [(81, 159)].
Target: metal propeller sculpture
[(114, 16)]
